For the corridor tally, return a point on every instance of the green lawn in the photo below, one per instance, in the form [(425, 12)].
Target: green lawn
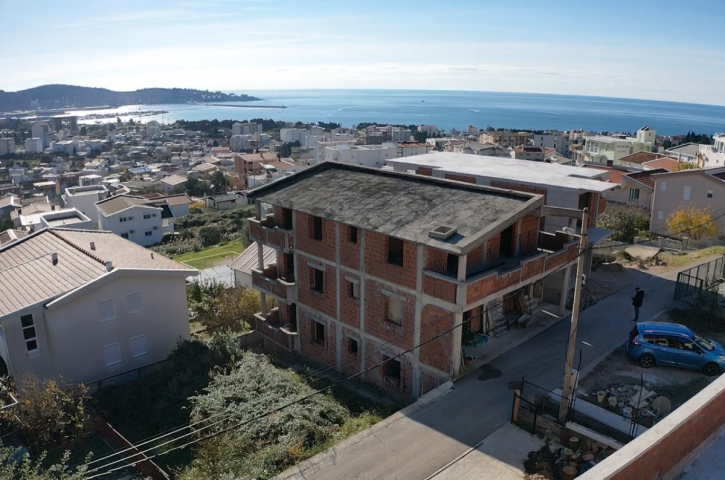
[(212, 256), (691, 257)]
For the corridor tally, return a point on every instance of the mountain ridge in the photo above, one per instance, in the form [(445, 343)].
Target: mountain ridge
[(74, 96)]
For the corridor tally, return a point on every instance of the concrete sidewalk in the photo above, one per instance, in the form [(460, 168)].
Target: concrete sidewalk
[(417, 444), (501, 456)]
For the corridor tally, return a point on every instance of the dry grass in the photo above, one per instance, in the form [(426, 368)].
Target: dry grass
[(675, 260)]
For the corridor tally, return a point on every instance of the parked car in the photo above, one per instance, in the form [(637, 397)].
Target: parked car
[(674, 345)]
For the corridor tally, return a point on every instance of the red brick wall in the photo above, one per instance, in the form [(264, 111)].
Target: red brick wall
[(324, 248), (533, 267), (529, 223), (560, 258), (435, 260), (324, 302), (475, 257), (349, 307), (494, 245), (349, 252), (482, 288), (437, 353), (323, 353), (675, 447), (519, 187), (376, 261), (430, 381), (424, 171), (460, 178), (376, 323), (439, 288), (476, 322), (375, 377), (350, 362)]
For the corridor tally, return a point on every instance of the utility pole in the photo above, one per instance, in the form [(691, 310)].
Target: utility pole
[(568, 380)]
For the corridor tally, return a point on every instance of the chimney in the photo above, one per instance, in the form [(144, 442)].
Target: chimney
[(54, 258), (93, 245), (109, 265)]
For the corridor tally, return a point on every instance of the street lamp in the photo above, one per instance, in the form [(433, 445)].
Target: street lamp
[(568, 380)]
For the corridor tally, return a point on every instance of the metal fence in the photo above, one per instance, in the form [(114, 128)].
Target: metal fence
[(700, 285), (535, 403)]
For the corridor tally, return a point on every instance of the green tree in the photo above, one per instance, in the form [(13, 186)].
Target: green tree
[(219, 182), (225, 309), (49, 412), (210, 236), (626, 221), (17, 466), (83, 131)]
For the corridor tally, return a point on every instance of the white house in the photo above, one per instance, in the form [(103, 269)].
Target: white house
[(409, 149), (225, 201), (249, 128), (604, 148), (172, 182), (428, 129), (366, 155), (713, 155), (88, 305), (134, 218), (557, 141), (34, 145), (84, 199)]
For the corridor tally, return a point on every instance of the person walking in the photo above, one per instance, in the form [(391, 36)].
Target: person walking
[(637, 302)]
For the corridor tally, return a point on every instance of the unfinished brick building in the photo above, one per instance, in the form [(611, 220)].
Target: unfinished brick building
[(371, 263)]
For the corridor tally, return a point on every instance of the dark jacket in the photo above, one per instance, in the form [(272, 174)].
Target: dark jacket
[(637, 299)]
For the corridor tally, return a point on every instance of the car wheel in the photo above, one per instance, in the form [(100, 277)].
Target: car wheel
[(646, 360), (710, 369)]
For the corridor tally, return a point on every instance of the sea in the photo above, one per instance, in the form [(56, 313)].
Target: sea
[(447, 110)]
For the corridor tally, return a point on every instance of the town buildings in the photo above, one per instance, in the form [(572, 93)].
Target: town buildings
[(249, 128), (713, 155), (608, 148), (475, 148), (365, 155), (557, 141), (134, 218), (84, 199), (7, 145), (504, 138), (87, 305), (408, 149), (34, 145), (694, 188), (371, 263), (429, 130), (536, 154)]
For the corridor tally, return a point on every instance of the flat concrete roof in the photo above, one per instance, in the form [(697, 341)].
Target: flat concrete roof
[(400, 205), (509, 169)]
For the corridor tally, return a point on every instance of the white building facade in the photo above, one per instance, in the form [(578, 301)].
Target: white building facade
[(557, 141), (84, 200), (133, 218), (365, 155)]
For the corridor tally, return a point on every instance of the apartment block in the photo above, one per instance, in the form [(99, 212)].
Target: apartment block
[(504, 138), (379, 267)]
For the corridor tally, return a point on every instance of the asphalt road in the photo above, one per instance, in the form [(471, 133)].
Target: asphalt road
[(416, 446)]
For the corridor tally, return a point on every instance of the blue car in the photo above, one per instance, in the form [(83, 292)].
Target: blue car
[(674, 345)]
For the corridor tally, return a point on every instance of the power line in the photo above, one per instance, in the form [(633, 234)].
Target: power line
[(331, 366), (334, 384)]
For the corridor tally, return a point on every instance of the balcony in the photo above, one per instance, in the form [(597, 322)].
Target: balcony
[(267, 233), (539, 253), (269, 281), (271, 327)]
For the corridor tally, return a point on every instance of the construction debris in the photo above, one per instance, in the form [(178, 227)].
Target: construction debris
[(563, 463)]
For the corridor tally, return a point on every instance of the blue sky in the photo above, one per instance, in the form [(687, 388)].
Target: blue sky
[(661, 50)]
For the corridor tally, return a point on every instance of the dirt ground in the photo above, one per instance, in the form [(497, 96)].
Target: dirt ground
[(677, 384)]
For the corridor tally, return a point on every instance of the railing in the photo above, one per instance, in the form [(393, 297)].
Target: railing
[(700, 285), (267, 233), (269, 281)]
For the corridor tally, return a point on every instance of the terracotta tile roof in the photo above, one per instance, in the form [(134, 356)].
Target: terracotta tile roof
[(669, 164), (259, 157), (118, 203), (28, 276), (247, 260), (640, 157), (645, 176)]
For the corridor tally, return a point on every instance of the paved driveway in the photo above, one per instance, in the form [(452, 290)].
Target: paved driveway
[(417, 445)]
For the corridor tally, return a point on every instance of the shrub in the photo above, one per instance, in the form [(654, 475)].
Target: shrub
[(210, 236), (626, 221)]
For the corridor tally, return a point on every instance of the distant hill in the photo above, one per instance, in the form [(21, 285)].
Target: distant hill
[(57, 96)]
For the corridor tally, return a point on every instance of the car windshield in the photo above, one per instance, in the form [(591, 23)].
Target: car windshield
[(705, 343)]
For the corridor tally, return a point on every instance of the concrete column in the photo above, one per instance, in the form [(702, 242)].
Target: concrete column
[(338, 326), (363, 343), (564, 290), (420, 264), (457, 339)]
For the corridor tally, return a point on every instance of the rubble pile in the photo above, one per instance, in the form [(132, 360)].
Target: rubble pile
[(629, 401), (565, 463)]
